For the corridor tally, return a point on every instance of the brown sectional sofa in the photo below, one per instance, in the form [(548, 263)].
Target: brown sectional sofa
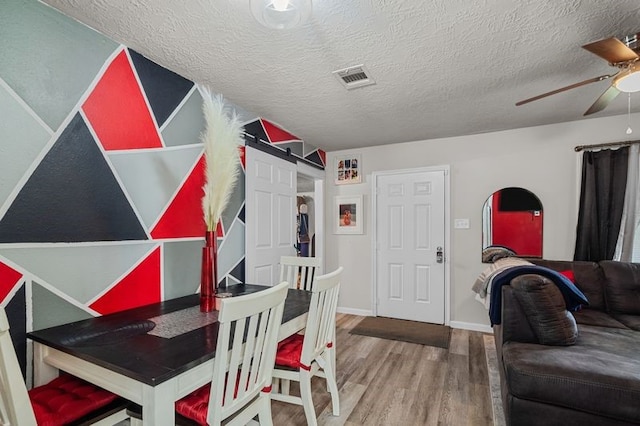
[(594, 381)]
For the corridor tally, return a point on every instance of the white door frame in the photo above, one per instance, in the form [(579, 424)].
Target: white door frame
[(447, 234), (318, 177)]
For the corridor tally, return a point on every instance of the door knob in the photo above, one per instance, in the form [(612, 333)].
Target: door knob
[(439, 255)]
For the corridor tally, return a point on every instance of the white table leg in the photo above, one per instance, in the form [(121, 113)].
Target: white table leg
[(158, 407), (42, 372)]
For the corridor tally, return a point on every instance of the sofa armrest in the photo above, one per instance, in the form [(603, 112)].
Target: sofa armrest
[(515, 326)]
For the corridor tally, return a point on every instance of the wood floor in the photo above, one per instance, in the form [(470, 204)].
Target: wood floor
[(384, 382)]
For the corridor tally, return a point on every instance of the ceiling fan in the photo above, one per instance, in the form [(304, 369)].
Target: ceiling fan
[(620, 54)]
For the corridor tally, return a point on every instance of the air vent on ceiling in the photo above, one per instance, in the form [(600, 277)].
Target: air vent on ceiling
[(353, 77)]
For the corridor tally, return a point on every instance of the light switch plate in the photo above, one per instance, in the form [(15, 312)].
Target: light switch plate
[(461, 223)]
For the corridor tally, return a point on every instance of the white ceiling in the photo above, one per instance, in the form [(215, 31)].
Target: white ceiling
[(442, 67)]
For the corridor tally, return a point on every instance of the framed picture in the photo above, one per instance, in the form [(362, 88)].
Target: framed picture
[(348, 214), (348, 169)]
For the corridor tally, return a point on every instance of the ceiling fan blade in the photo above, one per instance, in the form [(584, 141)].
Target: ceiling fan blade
[(612, 50), (604, 100), (562, 89)]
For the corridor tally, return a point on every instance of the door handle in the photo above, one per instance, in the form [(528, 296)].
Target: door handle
[(439, 255)]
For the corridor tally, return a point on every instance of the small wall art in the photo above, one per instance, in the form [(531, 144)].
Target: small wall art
[(348, 169), (348, 214)]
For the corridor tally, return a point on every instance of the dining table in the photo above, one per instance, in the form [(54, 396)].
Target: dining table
[(152, 355)]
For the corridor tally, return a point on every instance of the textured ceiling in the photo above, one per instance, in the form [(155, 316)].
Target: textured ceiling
[(442, 67)]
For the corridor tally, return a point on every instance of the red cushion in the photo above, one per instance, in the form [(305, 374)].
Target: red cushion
[(569, 274), (195, 405), (289, 351), (66, 399)]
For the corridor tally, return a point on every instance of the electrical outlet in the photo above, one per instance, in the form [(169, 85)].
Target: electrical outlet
[(461, 223)]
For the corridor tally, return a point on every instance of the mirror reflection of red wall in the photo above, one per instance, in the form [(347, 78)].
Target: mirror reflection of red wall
[(517, 217)]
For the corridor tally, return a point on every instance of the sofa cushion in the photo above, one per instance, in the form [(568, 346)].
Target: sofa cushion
[(631, 321), (623, 286), (599, 318), (599, 374), (545, 309), (588, 277)]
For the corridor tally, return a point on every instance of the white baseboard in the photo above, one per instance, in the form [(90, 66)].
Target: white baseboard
[(471, 326), (351, 311)]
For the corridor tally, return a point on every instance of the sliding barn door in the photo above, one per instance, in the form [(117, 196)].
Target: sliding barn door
[(269, 215)]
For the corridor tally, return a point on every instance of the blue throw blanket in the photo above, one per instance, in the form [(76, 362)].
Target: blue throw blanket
[(573, 297)]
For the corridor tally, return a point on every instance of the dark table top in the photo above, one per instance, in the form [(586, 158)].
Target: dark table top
[(120, 341)]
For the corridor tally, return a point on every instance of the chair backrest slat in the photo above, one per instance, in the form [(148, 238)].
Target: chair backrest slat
[(241, 372), (299, 272), (321, 321)]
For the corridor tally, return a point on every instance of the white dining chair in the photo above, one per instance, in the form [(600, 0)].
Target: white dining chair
[(243, 365), (303, 356), (299, 272), (66, 399)]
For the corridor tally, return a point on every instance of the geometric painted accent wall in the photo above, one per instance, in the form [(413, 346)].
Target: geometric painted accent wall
[(106, 176), (97, 212), (101, 174)]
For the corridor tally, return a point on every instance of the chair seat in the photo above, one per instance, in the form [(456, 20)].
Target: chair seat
[(290, 351), (67, 399), (195, 405)]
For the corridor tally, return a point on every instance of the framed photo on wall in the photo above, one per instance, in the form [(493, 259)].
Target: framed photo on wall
[(348, 169), (348, 214)]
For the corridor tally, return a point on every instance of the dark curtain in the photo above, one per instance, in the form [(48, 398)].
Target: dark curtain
[(604, 180)]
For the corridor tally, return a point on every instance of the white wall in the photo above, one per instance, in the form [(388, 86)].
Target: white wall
[(540, 159)]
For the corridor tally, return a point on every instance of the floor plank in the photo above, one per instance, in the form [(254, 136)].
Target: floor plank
[(385, 382)]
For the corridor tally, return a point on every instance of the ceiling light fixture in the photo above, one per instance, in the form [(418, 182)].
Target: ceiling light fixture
[(629, 80), (281, 14)]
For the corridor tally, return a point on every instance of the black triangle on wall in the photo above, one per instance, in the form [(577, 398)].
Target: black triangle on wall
[(238, 271), (72, 196), (165, 89), (255, 129), (16, 311), (241, 214), (314, 157)]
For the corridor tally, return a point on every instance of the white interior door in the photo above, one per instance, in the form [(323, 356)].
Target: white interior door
[(410, 234), (270, 213)]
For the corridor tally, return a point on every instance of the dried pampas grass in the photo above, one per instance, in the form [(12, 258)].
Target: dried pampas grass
[(221, 138)]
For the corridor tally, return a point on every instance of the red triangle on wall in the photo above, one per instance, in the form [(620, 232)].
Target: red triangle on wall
[(140, 287), (118, 111), (276, 134), (323, 157), (243, 154), (183, 218), (9, 277)]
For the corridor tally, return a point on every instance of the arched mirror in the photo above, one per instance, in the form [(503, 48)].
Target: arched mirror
[(511, 219)]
